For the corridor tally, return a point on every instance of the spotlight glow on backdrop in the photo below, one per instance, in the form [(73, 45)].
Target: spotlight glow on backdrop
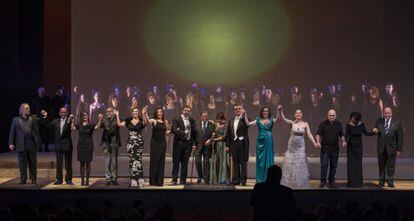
[(217, 41)]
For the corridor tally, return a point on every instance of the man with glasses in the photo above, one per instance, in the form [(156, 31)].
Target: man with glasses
[(110, 143), (329, 134), (389, 145)]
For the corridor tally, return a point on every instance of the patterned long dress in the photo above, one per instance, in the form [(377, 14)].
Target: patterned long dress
[(135, 144)]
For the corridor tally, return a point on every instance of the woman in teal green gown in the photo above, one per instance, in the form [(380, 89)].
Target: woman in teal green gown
[(264, 143)]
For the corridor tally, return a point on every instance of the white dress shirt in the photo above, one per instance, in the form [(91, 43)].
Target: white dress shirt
[(62, 124), (236, 125), (187, 125), (387, 126)]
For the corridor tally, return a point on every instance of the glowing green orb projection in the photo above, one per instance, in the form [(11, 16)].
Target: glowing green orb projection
[(217, 41)]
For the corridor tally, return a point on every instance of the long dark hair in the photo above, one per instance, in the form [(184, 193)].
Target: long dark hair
[(261, 112), (155, 115), (220, 116)]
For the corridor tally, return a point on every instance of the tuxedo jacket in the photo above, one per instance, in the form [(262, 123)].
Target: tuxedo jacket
[(63, 141), (242, 131), (178, 129), (20, 140), (203, 136), (393, 140)]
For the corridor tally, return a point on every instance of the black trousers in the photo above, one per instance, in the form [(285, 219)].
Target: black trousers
[(65, 156), (27, 159), (181, 156), (239, 162), (202, 160), (329, 159), (386, 166)]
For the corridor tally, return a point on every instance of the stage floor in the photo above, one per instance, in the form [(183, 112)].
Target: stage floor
[(46, 166), (98, 183)]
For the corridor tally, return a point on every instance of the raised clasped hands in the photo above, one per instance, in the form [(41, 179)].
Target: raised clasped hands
[(279, 108), (144, 110)]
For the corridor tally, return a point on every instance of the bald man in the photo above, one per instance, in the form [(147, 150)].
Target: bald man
[(389, 145), (328, 137), (63, 144)]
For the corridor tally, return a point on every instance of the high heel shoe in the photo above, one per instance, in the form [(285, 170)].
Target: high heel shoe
[(141, 183), (82, 182), (133, 183)]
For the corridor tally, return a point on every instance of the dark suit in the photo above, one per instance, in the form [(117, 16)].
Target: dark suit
[(203, 152), (239, 148), (110, 143), (63, 148), (387, 146), (24, 135), (182, 147)]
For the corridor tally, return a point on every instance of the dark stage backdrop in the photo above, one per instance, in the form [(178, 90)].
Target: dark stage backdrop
[(247, 45)]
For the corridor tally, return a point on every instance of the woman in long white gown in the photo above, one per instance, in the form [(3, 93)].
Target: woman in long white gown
[(295, 166)]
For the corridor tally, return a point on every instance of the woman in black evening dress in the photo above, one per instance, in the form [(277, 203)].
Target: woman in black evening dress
[(354, 130), (85, 145), (158, 147)]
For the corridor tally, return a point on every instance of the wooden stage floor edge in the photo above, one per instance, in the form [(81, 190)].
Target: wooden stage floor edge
[(98, 183)]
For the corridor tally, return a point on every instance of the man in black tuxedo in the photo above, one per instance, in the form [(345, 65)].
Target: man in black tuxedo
[(185, 141), (63, 144), (238, 144), (389, 145), (204, 138), (24, 138)]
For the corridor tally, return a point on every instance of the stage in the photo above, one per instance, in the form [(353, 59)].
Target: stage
[(9, 174), (214, 201), (98, 183), (46, 166), (192, 200)]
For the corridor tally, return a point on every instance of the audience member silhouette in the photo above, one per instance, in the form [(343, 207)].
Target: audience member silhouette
[(270, 199)]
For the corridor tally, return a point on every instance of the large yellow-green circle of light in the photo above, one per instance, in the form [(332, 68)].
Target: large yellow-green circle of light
[(217, 41)]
